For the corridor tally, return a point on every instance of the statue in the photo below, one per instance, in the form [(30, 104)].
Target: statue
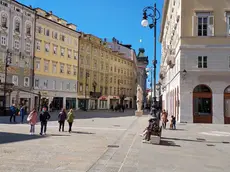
[(139, 111)]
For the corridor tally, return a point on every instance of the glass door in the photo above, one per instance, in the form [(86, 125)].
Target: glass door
[(227, 107)]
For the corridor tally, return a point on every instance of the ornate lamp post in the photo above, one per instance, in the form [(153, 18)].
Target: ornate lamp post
[(7, 63), (154, 15)]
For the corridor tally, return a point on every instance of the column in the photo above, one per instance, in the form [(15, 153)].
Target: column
[(218, 108), (64, 102)]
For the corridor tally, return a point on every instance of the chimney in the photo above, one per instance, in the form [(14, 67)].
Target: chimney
[(51, 12)]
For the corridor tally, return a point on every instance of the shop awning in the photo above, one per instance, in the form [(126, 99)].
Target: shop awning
[(103, 98)]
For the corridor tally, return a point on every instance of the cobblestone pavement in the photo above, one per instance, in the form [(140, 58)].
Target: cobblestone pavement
[(193, 147)]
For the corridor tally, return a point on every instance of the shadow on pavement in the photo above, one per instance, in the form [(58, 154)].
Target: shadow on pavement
[(81, 132), (16, 137), (168, 143), (58, 135), (199, 140)]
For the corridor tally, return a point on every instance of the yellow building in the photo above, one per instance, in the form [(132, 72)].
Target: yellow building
[(56, 60), (105, 77)]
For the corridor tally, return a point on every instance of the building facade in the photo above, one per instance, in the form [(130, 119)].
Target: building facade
[(56, 61), (142, 62), (17, 43), (105, 76), (195, 62)]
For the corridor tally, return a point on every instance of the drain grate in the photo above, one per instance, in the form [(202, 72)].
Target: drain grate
[(226, 142), (210, 145), (200, 139), (113, 146)]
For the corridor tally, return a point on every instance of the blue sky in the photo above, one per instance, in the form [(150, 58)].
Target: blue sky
[(106, 19)]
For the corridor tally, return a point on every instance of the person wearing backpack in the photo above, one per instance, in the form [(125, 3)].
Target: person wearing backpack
[(44, 117), (61, 119)]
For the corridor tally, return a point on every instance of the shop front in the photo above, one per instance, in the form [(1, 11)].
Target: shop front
[(103, 102), (128, 102), (70, 103), (113, 101)]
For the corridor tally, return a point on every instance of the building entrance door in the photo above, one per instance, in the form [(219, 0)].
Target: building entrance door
[(227, 105)]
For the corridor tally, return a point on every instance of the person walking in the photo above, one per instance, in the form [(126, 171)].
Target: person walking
[(61, 119), (44, 117), (32, 119), (22, 113), (13, 112), (164, 118), (70, 119)]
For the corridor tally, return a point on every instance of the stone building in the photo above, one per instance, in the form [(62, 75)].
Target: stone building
[(195, 61), (17, 43)]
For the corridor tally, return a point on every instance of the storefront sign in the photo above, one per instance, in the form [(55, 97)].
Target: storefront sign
[(103, 98)]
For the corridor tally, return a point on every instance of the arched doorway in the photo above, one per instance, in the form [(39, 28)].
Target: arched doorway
[(227, 105), (202, 104)]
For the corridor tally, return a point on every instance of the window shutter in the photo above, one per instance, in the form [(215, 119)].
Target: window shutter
[(194, 25), (211, 26)]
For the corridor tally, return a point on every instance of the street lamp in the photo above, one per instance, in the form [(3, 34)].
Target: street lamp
[(86, 83), (7, 63), (154, 15)]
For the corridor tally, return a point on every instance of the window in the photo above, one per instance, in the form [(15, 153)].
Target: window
[(62, 52), (28, 47), (4, 21), (61, 86), (3, 40), (38, 45), (28, 30), (74, 87), (37, 64), (228, 23), (55, 35), (16, 44), (74, 70), (81, 87), (110, 90), (81, 73), (202, 106), (54, 69), (46, 66), (62, 37), (47, 32), (17, 26), (69, 53), (26, 82), (54, 85), (47, 47), (61, 68), (68, 69), (75, 55), (36, 83), (102, 65), (203, 24), (68, 86), (15, 80), (55, 49), (81, 60), (202, 61), (46, 84), (39, 29)]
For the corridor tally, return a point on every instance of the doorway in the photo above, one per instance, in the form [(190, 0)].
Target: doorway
[(202, 104), (227, 105)]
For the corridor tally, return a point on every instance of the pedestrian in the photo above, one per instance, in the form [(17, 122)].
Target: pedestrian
[(164, 118), (32, 119), (22, 113), (173, 122), (44, 117), (70, 119), (61, 119), (13, 112)]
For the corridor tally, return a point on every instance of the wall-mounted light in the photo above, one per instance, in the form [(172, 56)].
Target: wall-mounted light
[(184, 73)]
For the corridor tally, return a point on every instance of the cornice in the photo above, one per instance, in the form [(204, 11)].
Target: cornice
[(164, 15)]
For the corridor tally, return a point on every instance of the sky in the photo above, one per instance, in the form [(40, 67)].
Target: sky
[(107, 19)]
